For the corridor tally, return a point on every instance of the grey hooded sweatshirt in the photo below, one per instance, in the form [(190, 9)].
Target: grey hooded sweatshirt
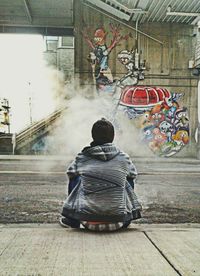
[(103, 192)]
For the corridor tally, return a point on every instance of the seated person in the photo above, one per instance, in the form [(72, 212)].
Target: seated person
[(101, 185)]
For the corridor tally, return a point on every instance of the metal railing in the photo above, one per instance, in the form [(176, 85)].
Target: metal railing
[(37, 129)]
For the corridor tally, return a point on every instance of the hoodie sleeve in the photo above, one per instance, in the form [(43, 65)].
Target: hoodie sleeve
[(132, 173), (72, 169), (131, 169)]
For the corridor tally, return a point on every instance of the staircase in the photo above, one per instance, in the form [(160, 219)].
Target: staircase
[(26, 138)]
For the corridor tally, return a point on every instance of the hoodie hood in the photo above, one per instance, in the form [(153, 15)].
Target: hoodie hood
[(103, 152)]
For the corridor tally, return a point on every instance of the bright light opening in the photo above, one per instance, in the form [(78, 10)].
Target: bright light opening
[(25, 79)]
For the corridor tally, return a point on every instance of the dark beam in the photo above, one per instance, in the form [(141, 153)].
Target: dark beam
[(48, 31)]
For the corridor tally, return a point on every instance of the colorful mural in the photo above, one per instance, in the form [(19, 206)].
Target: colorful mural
[(99, 57), (163, 123)]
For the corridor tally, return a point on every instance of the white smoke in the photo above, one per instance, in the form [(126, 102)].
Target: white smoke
[(35, 91), (73, 129)]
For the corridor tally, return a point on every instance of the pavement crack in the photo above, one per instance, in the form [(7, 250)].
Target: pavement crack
[(160, 251), (10, 243)]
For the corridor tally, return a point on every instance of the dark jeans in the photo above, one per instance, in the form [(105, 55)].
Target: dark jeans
[(72, 183)]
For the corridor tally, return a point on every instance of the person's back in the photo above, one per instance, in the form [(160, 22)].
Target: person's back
[(105, 176)]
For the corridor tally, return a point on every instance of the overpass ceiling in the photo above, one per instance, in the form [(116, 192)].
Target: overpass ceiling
[(157, 10), (36, 15), (45, 15), (179, 11)]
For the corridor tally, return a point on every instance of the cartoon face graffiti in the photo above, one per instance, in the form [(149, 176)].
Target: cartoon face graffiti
[(142, 120), (170, 113), (148, 133), (156, 115), (125, 57), (181, 136), (181, 118), (135, 68), (99, 37), (167, 128), (159, 136), (167, 103)]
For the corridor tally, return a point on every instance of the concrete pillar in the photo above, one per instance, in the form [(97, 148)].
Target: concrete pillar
[(198, 133)]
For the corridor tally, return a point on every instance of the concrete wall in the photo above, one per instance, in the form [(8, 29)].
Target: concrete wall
[(65, 61), (6, 146), (167, 69), (61, 58)]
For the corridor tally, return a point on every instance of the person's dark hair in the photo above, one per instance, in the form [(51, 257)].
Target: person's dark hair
[(103, 132)]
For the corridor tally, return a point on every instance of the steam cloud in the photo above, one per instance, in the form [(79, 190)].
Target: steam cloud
[(73, 130)]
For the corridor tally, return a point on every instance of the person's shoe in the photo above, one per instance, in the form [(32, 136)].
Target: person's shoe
[(64, 222)]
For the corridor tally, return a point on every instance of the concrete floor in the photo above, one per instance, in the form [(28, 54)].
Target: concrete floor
[(142, 250), (32, 189)]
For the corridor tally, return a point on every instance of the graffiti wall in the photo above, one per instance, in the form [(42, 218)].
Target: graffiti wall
[(163, 123), (156, 111)]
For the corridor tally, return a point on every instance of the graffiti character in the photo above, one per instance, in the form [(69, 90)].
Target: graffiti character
[(168, 104), (135, 71), (159, 136), (99, 56), (167, 128), (147, 134), (181, 136), (157, 143), (131, 113), (170, 114), (144, 120), (181, 118), (127, 59), (176, 97), (158, 140), (157, 115)]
